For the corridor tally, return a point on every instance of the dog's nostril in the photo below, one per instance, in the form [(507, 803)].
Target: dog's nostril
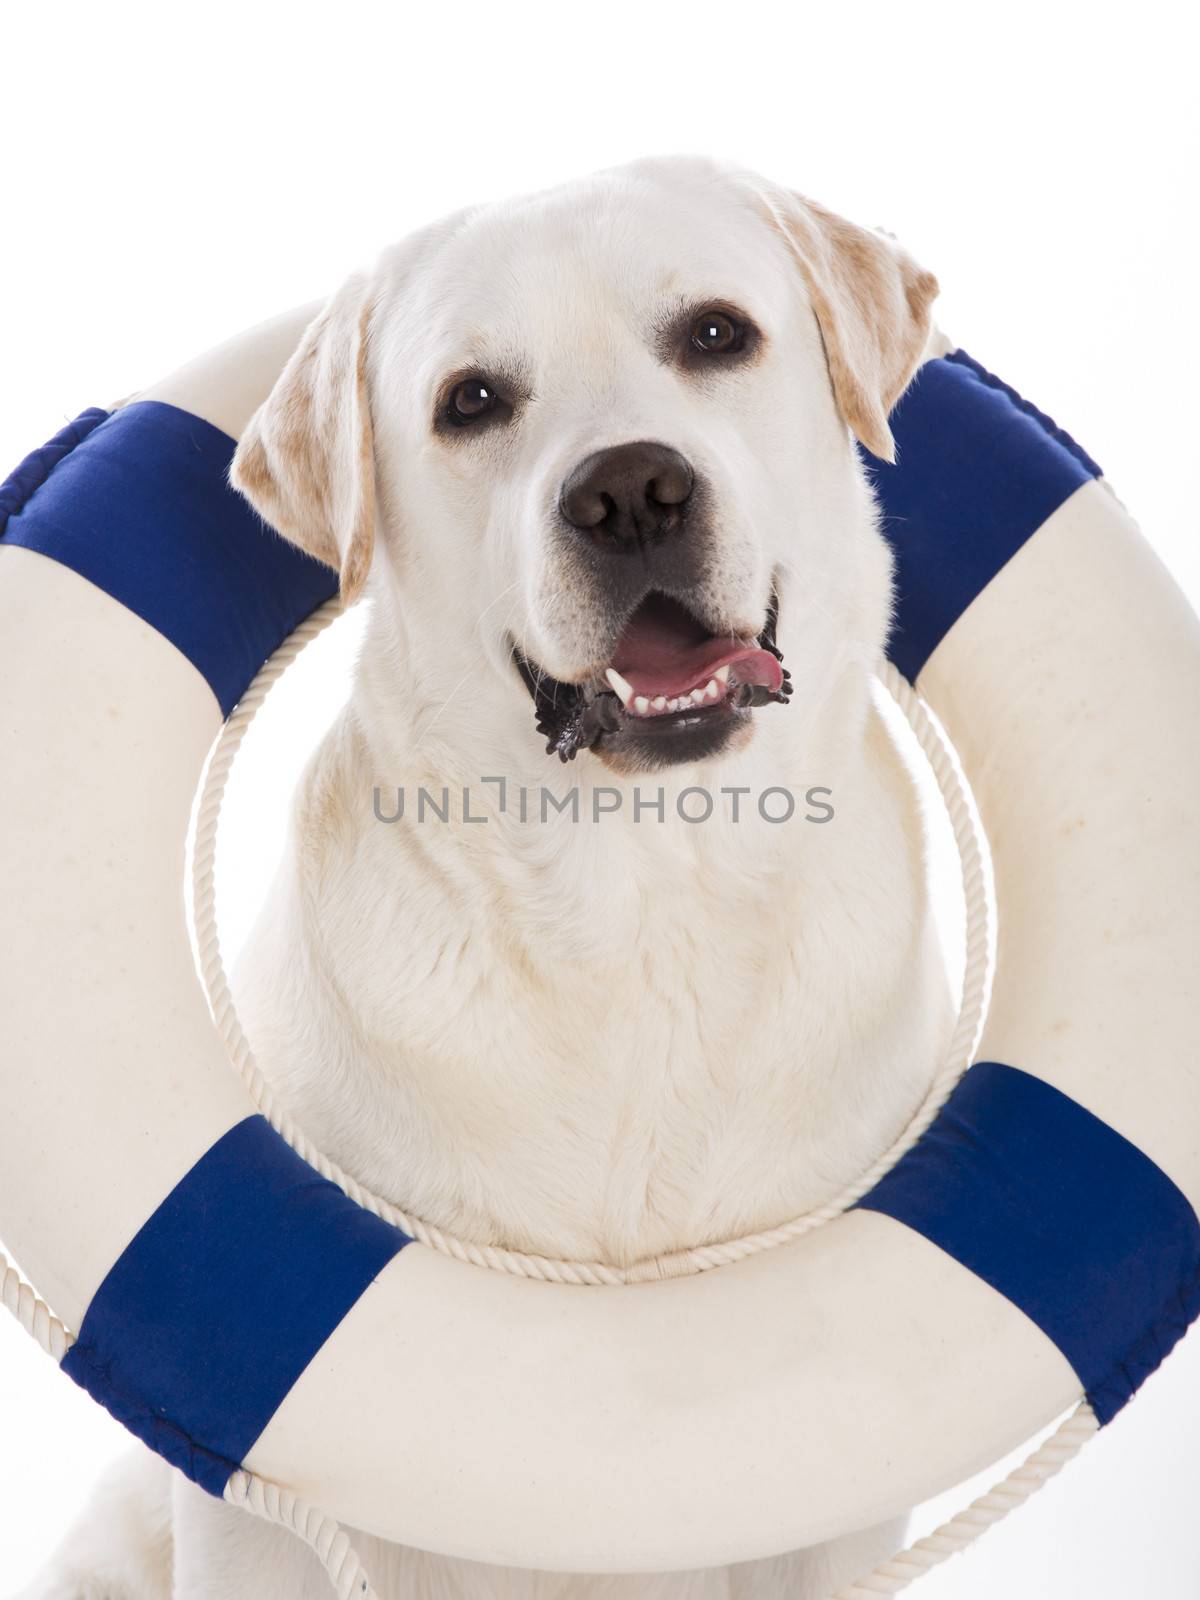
[(672, 486), (628, 492)]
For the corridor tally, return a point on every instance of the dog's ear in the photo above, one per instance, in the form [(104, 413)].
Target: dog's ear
[(871, 301), (306, 461)]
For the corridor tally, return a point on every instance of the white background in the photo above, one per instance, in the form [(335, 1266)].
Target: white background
[(174, 173)]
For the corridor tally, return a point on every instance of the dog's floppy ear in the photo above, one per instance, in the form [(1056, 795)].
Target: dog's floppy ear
[(871, 301), (306, 461)]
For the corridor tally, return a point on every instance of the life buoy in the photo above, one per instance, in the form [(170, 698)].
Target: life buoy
[(241, 1314)]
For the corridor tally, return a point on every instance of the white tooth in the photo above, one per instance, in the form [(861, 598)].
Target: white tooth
[(659, 702), (696, 696), (621, 685), (722, 675), (712, 689), (641, 705)]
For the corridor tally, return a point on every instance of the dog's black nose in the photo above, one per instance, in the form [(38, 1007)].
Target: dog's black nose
[(629, 494)]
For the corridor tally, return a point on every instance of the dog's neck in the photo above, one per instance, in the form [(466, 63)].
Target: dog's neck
[(606, 1034)]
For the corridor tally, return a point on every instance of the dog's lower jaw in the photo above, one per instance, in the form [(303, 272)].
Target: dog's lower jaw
[(594, 719), (605, 714)]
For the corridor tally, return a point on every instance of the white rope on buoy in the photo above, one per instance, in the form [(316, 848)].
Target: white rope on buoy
[(34, 1315), (324, 1537), (970, 1524)]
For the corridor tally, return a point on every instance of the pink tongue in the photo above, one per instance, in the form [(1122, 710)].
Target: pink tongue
[(663, 651)]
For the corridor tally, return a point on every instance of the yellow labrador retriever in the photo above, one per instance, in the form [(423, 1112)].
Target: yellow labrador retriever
[(602, 929)]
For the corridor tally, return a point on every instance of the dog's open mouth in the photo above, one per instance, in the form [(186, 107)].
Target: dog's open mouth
[(673, 690)]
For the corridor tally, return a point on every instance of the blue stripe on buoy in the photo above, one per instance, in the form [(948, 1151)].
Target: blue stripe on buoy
[(1064, 1216), (223, 1297), (138, 503), (978, 471)]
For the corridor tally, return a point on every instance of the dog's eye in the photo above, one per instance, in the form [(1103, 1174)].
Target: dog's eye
[(472, 398), (715, 334)]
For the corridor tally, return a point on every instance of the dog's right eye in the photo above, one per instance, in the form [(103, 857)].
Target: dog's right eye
[(471, 399)]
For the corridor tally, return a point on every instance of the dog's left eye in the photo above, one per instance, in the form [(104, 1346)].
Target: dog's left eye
[(715, 334)]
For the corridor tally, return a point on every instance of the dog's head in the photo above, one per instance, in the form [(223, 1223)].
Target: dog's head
[(596, 447)]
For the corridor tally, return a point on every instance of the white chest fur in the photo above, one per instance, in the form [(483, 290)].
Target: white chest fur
[(600, 1039)]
